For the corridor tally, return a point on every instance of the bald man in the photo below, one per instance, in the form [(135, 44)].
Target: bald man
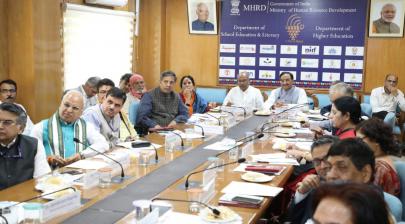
[(57, 133), (202, 24), (385, 23), (244, 95)]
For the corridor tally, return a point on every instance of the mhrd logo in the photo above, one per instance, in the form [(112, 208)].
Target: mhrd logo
[(294, 26)]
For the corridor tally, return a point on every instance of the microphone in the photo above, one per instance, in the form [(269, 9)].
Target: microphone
[(241, 160), (215, 211), (262, 129), (101, 153), (6, 210), (219, 121), (202, 129), (244, 109), (156, 153), (182, 142), (233, 115), (294, 107)]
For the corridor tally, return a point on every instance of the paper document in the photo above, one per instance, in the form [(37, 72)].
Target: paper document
[(243, 188), (224, 144), (88, 164)]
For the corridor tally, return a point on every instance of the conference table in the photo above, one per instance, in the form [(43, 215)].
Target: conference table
[(114, 204)]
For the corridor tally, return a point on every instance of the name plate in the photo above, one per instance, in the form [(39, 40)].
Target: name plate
[(208, 192), (61, 206), (171, 141), (209, 175)]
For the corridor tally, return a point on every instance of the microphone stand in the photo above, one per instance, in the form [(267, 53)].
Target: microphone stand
[(186, 184), (6, 210), (115, 180), (244, 110), (202, 129), (219, 121)]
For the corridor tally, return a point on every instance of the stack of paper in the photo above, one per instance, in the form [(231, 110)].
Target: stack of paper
[(243, 188)]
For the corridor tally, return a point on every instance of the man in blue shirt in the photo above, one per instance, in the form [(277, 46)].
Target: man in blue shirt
[(201, 24)]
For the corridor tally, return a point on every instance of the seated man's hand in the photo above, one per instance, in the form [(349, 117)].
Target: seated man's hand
[(56, 161), (394, 90), (318, 131), (305, 124), (308, 183), (278, 104), (172, 124), (73, 159), (157, 126)]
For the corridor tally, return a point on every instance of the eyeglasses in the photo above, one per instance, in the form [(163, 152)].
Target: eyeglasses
[(391, 81), (8, 91), (7, 123), (318, 161)]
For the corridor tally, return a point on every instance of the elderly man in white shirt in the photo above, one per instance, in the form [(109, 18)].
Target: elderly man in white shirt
[(244, 95), (286, 94), (385, 99)]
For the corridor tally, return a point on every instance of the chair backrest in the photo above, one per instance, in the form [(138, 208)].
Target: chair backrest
[(323, 99), (400, 167), (132, 111), (366, 99), (212, 94), (366, 109)]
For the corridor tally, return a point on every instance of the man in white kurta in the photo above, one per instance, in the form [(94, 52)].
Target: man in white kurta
[(58, 132), (244, 95), (286, 94)]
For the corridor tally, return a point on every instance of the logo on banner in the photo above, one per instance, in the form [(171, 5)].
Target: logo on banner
[(294, 26), (235, 7)]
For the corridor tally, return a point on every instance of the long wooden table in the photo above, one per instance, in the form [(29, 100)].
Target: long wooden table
[(26, 190), (249, 215)]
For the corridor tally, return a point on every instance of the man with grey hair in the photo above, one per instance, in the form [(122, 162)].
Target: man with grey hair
[(337, 90), (57, 133), (161, 107), (201, 23), (244, 95), (21, 157), (385, 23), (89, 91)]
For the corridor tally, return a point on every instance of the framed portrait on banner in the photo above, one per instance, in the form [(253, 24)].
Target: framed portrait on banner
[(386, 18), (202, 16)]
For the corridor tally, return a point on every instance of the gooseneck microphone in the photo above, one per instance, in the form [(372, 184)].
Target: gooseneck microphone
[(102, 153), (215, 211), (6, 210), (294, 107), (219, 121), (244, 109), (202, 129), (186, 184), (156, 153), (182, 141)]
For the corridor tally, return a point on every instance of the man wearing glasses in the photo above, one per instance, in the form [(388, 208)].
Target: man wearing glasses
[(57, 133), (21, 157), (387, 98), (8, 93)]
